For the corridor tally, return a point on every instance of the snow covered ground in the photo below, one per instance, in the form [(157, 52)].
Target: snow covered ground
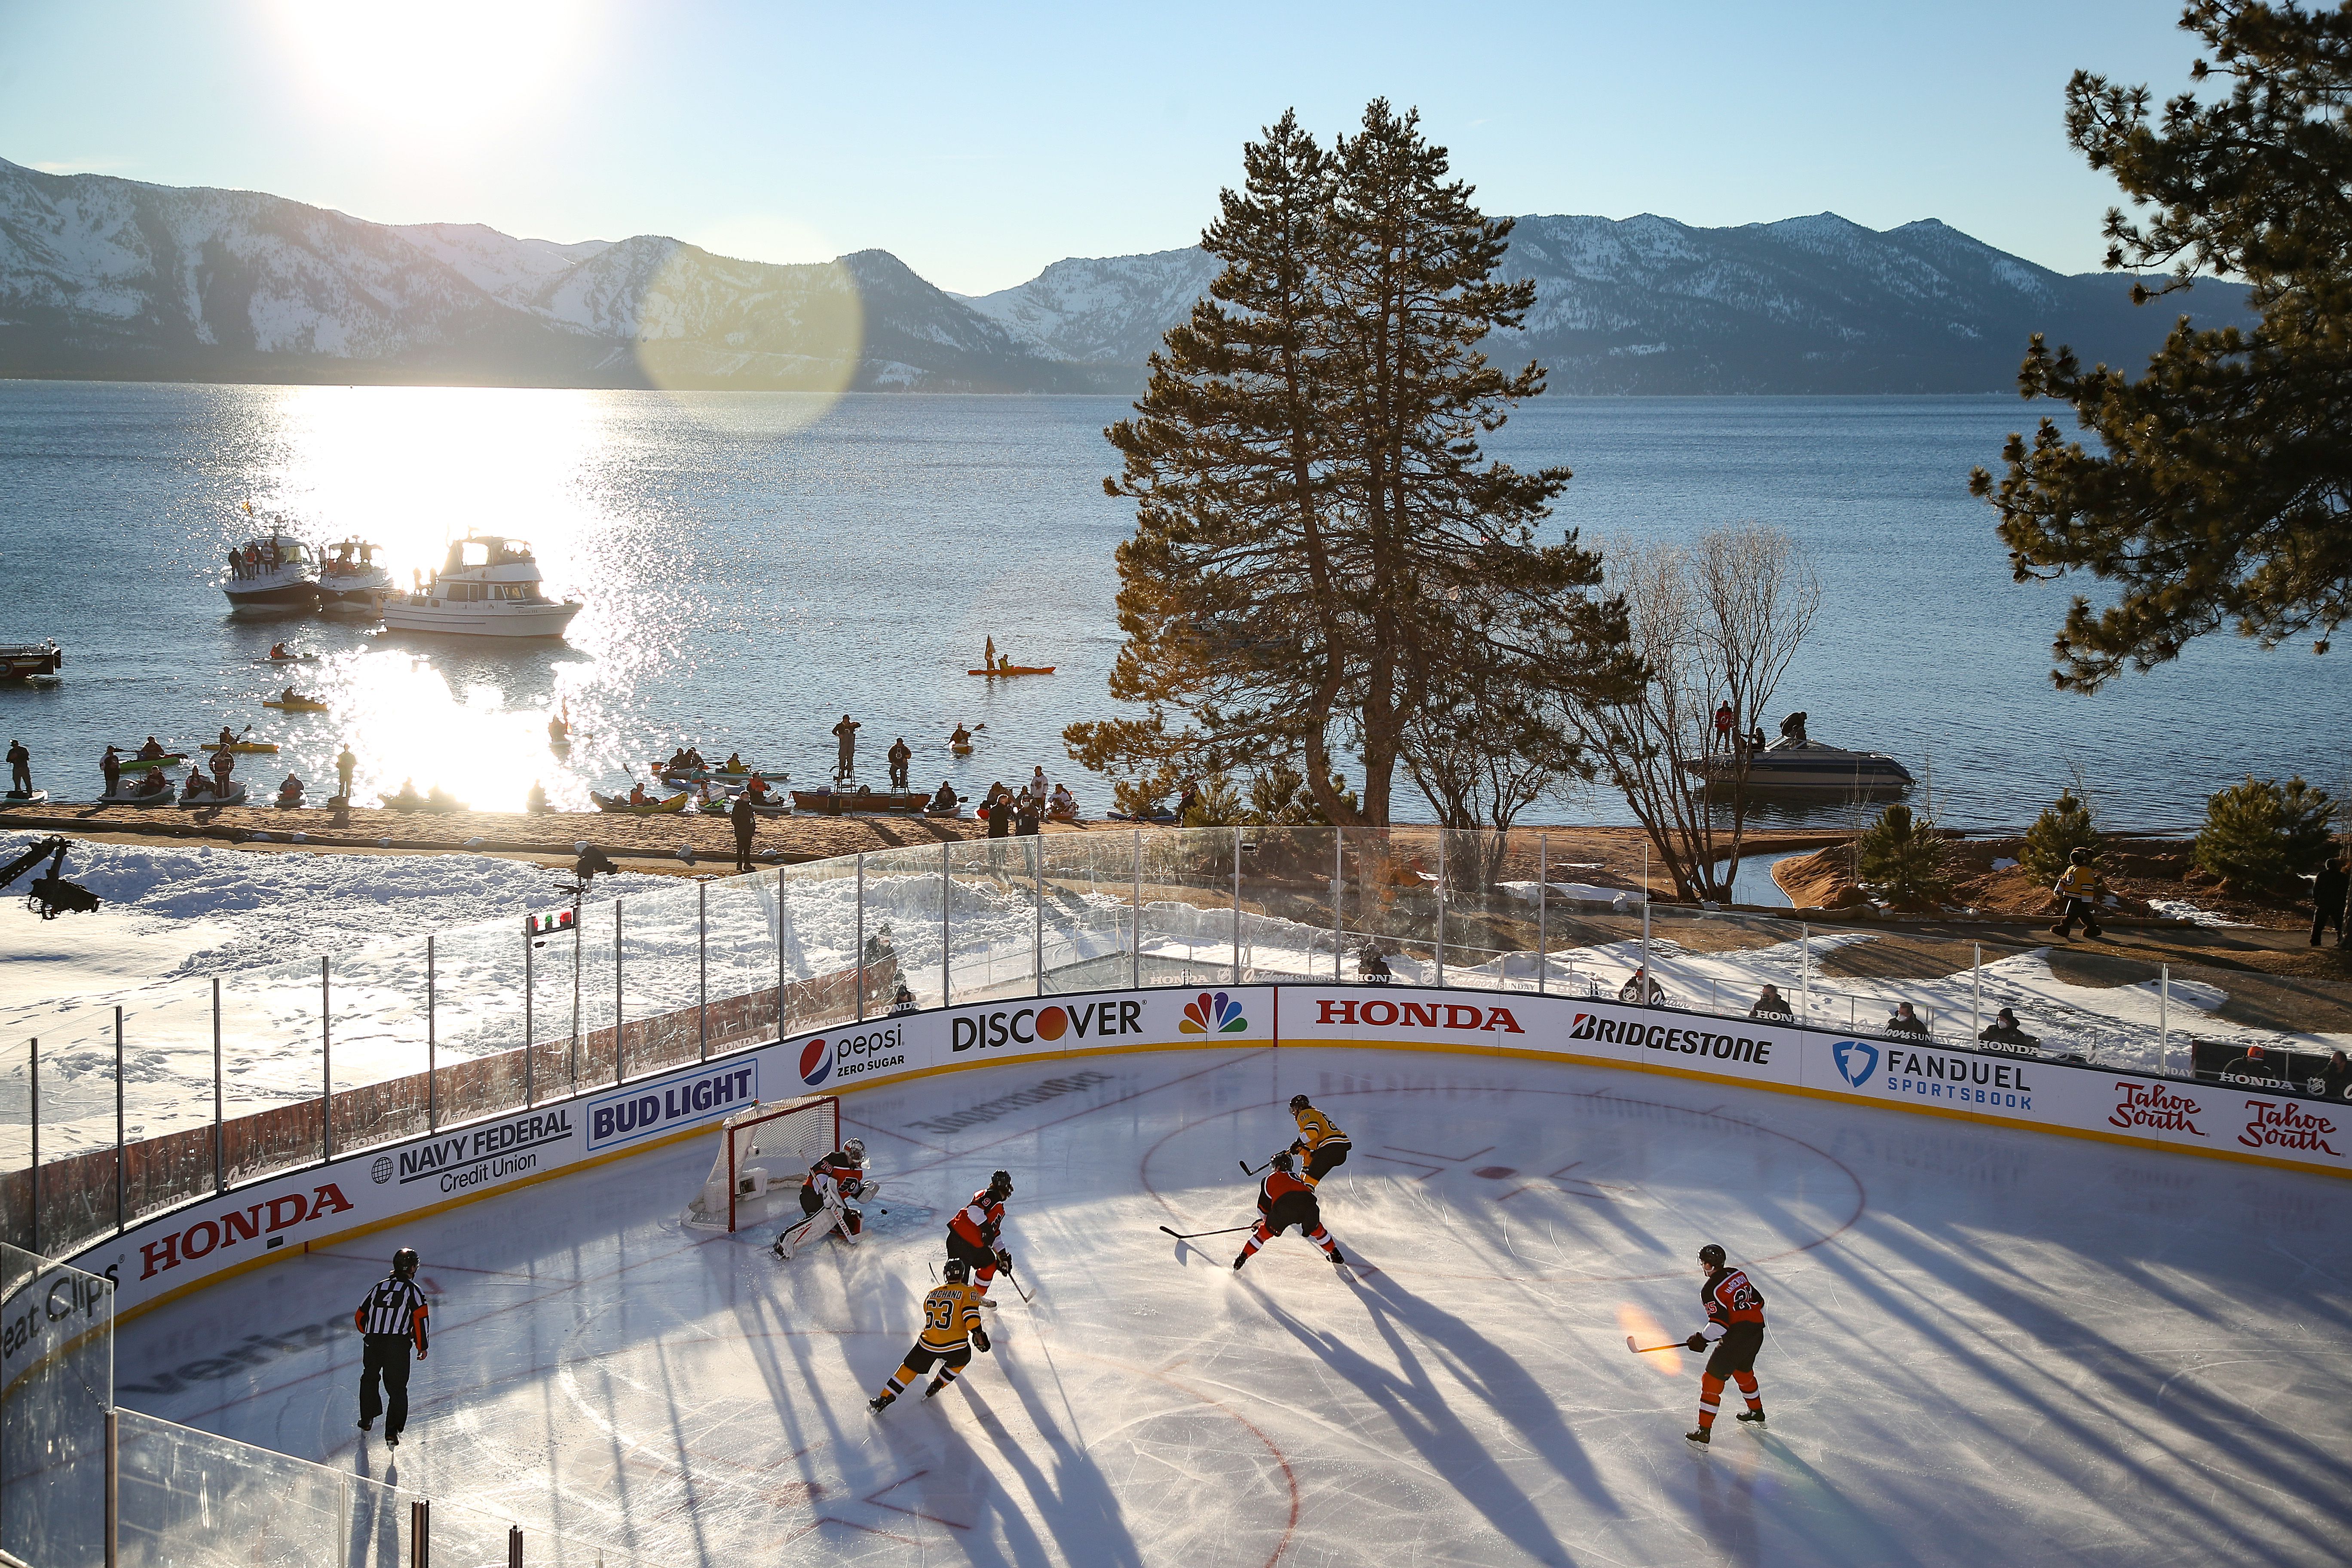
[(176, 918), (1986, 1346)]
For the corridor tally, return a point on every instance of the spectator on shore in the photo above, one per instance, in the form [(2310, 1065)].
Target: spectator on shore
[(1641, 990), (2328, 892), (109, 768), (741, 816), (1028, 817), (1371, 967), (998, 811), (2073, 891), (346, 764), (2335, 1078), (844, 762), (2255, 1063), (1187, 800), (900, 756), (20, 771), (2004, 1031), (1770, 1003), (1903, 1021), (535, 803)]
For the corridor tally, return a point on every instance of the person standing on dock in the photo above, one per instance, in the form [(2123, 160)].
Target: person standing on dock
[(740, 813), (20, 771), (109, 768), (901, 755), (346, 765), (390, 1317), (845, 761)]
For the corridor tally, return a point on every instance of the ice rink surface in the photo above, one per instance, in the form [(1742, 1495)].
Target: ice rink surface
[(1986, 1347)]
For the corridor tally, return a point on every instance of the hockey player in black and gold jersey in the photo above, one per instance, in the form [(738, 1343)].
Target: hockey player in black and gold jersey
[(1319, 1140), (950, 1330)]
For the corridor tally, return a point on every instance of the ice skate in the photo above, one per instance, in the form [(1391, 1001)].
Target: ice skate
[(880, 1403), (1240, 1259), (1699, 1436), (933, 1391), (1756, 1417)]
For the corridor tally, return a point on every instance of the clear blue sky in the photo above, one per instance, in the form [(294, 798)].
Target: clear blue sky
[(979, 143)]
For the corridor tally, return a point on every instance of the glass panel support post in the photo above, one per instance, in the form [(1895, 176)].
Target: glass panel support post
[(432, 1047), (1037, 926), (326, 1062), (1649, 982), (1440, 948), (111, 1532), (1543, 912), (220, 1138), (857, 949), (121, 1179), (1135, 952), (1805, 969), (1976, 990), (780, 953), (530, 1035), (620, 1011), (420, 1532), (2164, 1016), (947, 962), (1338, 898), (1237, 904), (33, 1070), (702, 967)]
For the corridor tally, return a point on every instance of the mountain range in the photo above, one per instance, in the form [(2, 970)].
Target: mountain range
[(103, 278)]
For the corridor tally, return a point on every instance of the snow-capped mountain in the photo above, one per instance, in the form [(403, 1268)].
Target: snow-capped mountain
[(108, 278), (1649, 305)]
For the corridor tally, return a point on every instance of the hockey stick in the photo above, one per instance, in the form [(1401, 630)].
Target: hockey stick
[(1188, 1235), (1250, 1170), (1645, 1349)]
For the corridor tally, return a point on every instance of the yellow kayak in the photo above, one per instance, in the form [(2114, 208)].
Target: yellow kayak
[(294, 705), (245, 747)]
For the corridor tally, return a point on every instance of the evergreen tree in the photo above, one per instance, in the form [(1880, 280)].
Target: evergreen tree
[(2259, 838), (2221, 491), (1902, 858), (1319, 543), (2055, 834)]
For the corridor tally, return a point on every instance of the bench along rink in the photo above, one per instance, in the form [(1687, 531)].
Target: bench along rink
[(1986, 1345)]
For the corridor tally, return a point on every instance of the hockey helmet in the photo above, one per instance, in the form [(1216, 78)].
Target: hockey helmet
[(1711, 1255), (405, 1262), (856, 1150), (957, 1270), (1000, 1185), (1299, 1103), (1282, 1161)]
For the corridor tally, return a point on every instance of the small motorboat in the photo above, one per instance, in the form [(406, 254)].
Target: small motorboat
[(1795, 764), (620, 802), (241, 748), (295, 704), (488, 587), (30, 661), (201, 791), (350, 578), (25, 797), (833, 803), (273, 572)]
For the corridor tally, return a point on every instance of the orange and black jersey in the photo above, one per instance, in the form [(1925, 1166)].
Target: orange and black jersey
[(1730, 1299), (831, 1171), (949, 1314), (1286, 1199), (978, 1223)]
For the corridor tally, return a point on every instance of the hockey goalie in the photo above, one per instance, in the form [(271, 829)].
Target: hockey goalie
[(829, 1198)]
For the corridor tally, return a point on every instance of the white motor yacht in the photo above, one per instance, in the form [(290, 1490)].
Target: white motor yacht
[(351, 578), (1795, 764), (274, 572), (489, 587)]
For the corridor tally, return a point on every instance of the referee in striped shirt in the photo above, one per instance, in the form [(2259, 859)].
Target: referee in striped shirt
[(390, 1315)]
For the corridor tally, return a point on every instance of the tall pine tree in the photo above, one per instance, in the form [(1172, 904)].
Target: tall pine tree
[(1319, 542)]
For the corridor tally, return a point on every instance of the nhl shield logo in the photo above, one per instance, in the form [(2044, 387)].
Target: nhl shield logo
[(1855, 1060)]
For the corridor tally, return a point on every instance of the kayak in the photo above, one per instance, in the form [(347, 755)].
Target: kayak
[(294, 705), (234, 796), (962, 750), (1013, 669), (245, 748), (142, 764), (290, 658), (649, 808)]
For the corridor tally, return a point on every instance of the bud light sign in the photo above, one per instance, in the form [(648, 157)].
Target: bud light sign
[(632, 1114)]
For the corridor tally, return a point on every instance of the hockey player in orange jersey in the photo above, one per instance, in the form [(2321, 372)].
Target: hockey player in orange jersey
[(1734, 1326), (1284, 1199)]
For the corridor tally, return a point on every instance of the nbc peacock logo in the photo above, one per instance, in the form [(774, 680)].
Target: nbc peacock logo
[(1217, 1015)]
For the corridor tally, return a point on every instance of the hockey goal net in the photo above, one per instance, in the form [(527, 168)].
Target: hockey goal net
[(764, 1151)]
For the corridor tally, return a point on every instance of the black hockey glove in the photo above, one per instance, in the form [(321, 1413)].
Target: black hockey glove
[(1298, 1146), (979, 1337), (1696, 1343), (1005, 1258)]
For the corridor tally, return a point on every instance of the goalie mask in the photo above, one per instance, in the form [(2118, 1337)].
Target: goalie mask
[(856, 1150), (957, 1270)]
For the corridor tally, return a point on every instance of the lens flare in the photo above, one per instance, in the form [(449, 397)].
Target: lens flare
[(1645, 1331), (806, 335)]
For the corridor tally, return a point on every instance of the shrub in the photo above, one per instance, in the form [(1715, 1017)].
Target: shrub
[(2258, 837), (2058, 831), (1902, 859)]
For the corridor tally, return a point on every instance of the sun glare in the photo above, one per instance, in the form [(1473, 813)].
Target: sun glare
[(435, 69)]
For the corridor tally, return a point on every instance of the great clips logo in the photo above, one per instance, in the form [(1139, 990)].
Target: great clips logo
[(1217, 1015)]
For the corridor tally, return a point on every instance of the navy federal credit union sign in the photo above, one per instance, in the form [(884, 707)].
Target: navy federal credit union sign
[(628, 1115)]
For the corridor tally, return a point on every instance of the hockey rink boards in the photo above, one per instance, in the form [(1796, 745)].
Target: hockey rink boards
[(1987, 1345)]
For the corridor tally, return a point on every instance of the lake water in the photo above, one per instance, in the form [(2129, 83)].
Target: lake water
[(755, 564)]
